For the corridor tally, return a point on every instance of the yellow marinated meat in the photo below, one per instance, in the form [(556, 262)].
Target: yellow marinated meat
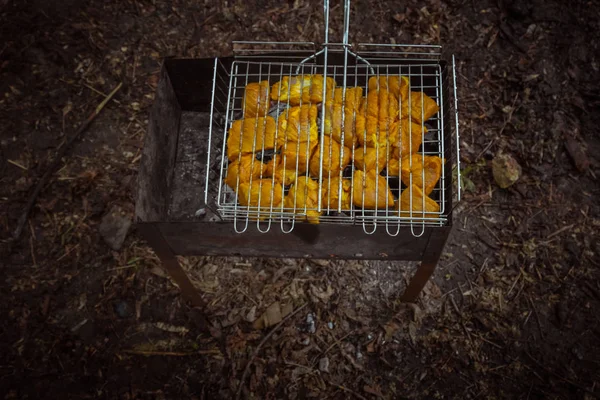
[(250, 135), (418, 166), (371, 191), (330, 193), (372, 131), (421, 205), (256, 99), (302, 88), (353, 98), (393, 165), (333, 125), (371, 158), (262, 194), (333, 159), (296, 156), (244, 168), (303, 197), (410, 137), (335, 111), (276, 168), (298, 124), (398, 86), (419, 106), (380, 104)]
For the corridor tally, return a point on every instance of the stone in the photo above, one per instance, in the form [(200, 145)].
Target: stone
[(114, 228), (506, 170), (324, 364), (123, 309)]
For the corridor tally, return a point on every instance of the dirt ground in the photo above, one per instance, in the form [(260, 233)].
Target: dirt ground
[(512, 311)]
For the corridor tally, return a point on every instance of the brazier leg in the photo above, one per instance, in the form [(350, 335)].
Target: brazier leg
[(431, 256), (418, 281), (170, 264)]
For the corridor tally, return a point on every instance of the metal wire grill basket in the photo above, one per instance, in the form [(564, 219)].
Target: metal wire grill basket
[(323, 187)]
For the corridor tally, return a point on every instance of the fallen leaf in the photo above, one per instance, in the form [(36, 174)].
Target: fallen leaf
[(324, 364), (251, 316), (67, 109), (417, 312), (371, 347), (298, 372), (15, 90), (531, 77), (374, 390), (577, 153), (412, 332), (172, 328), (158, 271), (322, 295), (286, 309), (390, 329), (399, 17), (270, 317), (152, 80)]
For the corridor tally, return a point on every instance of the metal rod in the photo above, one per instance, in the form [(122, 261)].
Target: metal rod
[(212, 108), (458, 175), (324, 100)]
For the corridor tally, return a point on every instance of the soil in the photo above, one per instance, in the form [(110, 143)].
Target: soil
[(510, 313)]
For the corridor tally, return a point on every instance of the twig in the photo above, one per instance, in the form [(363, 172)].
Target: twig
[(261, 344), (338, 341), (169, 353), (94, 90), (493, 233), (344, 388), (539, 364), (16, 164), (50, 170), (32, 251), (537, 317), (511, 39), (489, 341), (514, 283), (455, 307), (490, 144), (68, 252), (561, 230), (506, 122), (120, 268)]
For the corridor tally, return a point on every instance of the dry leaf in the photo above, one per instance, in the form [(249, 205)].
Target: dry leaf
[(158, 271), (286, 309), (399, 17), (296, 290), (251, 316), (374, 390), (67, 109), (171, 328), (412, 332), (320, 294), (578, 154), (390, 329), (371, 347), (270, 317), (417, 312)]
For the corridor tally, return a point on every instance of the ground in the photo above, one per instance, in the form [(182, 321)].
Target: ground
[(510, 313)]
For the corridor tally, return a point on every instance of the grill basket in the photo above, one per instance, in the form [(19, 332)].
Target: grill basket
[(272, 61)]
